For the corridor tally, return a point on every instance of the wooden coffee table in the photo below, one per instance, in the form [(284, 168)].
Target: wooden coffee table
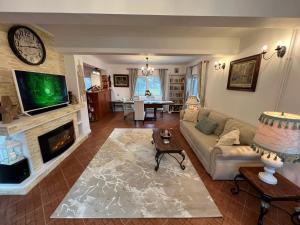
[(171, 148), (284, 190)]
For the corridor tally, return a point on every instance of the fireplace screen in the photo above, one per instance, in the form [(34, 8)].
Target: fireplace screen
[(56, 141)]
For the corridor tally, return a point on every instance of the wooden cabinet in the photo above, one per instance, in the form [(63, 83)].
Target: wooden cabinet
[(99, 104)]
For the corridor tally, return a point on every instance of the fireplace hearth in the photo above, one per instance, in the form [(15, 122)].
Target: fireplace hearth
[(56, 141)]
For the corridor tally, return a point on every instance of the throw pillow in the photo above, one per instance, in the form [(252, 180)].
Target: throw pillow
[(206, 125), (247, 131), (229, 139), (190, 115), (220, 119), (203, 112)]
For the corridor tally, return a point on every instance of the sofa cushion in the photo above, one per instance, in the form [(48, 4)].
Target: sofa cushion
[(206, 125), (190, 115), (203, 112), (229, 139), (220, 119), (204, 143), (247, 131)]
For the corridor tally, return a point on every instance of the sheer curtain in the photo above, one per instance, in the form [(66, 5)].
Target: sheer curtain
[(133, 73), (162, 76), (188, 82), (202, 81)]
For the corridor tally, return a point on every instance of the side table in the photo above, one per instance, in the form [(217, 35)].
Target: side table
[(284, 190)]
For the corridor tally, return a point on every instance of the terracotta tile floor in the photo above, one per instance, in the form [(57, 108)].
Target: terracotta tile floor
[(36, 207)]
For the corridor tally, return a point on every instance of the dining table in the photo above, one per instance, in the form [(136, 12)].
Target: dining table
[(151, 104)]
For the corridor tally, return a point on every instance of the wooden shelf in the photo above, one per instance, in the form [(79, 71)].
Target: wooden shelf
[(176, 91)]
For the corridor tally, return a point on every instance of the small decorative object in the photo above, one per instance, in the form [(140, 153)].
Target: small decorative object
[(147, 93), (72, 98), (176, 70), (121, 80), (192, 103), (8, 110), (165, 135), (243, 73), (11, 151), (147, 70), (26, 45), (277, 139)]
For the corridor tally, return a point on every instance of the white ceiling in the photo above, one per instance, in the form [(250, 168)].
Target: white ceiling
[(153, 59)]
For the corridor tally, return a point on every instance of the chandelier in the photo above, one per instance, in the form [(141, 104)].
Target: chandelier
[(147, 70)]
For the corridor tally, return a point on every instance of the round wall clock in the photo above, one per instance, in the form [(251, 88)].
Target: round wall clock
[(26, 45)]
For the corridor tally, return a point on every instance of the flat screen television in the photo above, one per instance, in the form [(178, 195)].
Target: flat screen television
[(40, 92)]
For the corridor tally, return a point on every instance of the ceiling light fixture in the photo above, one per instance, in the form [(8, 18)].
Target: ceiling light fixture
[(280, 50), (147, 70)]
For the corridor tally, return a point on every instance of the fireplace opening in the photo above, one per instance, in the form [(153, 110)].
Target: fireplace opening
[(56, 141)]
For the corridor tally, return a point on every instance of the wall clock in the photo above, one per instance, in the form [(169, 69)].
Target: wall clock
[(26, 45)]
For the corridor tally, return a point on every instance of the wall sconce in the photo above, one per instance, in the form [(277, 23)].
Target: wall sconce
[(280, 50), (219, 65)]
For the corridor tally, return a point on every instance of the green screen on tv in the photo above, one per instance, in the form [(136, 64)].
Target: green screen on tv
[(41, 90)]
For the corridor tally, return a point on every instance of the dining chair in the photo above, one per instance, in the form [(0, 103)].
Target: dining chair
[(139, 111), (127, 109)]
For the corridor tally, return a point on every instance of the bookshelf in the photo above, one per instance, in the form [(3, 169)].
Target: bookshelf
[(176, 91)]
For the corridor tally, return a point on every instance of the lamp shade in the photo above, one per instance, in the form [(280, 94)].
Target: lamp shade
[(279, 132), (192, 100)]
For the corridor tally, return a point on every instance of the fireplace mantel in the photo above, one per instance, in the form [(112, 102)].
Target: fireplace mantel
[(28, 122), (27, 129)]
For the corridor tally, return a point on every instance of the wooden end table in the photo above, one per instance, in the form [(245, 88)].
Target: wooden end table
[(171, 148), (284, 190)]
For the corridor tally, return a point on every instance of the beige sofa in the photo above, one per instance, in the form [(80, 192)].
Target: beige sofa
[(218, 163)]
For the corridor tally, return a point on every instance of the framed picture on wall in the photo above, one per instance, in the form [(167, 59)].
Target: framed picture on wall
[(121, 80), (243, 73)]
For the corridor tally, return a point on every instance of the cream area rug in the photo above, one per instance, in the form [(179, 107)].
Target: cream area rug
[(120, 182)]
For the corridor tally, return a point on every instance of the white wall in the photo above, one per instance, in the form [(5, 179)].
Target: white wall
[(248, 106), (119, 93), (71, 67), (290, 99)]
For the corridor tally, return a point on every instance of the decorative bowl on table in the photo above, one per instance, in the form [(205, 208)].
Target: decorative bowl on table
[(165, 135)]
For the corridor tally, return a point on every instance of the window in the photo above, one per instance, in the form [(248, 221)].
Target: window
[(143, 83), (194, 85), (154, 85), (140, 86), (87, 82)]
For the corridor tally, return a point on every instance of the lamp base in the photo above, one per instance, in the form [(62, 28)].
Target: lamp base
[(267, 176)]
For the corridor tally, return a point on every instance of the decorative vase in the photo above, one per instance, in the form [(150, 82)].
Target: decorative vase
[(272, 162)]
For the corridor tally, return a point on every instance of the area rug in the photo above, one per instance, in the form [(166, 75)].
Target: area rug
[(120, 182)]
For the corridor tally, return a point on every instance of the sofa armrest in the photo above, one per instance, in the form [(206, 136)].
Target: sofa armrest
[(181, 114)]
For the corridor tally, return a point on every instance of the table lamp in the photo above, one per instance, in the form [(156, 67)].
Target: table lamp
[(192, 103), (277, 139)]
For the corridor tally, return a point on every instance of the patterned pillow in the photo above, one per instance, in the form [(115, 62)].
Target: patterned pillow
[(229, 139)]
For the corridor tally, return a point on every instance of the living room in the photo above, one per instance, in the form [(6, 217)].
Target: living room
[(149, 115)]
